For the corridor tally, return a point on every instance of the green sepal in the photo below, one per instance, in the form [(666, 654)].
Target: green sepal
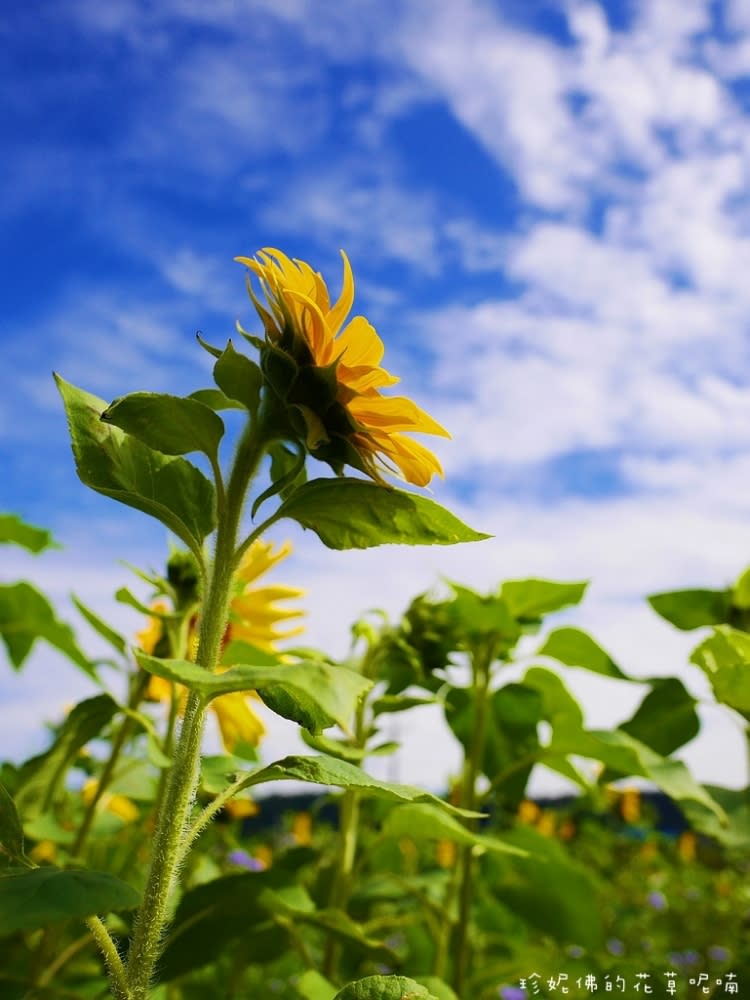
[(280, 370), (215, 352), (123, 468), (173, 425), (239, 378), (355, 514), (286, 470)]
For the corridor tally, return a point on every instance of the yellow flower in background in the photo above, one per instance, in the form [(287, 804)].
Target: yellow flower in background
[(547, 823), (254, 616), (332, 376), (43, 852), (241, 808), (446, 853), (630, 805), (687, 845), (302, 828), (118, 805), (528, 812)]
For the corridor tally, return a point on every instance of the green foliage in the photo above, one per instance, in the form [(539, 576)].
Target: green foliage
[(41, 896), (724, 659), (11, 832), (374, 515), (575, 648), (385, 988), (14, 531), (122, 467), (25, 616), (423, 821), (689, 609), (666, 718), (314, 694)]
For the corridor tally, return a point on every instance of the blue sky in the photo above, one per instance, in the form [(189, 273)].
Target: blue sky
[(547, 210)]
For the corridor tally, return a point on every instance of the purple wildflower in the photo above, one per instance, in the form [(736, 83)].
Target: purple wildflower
[(657, 900), (245, 860)]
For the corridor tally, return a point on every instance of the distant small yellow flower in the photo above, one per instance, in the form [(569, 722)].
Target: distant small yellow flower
[(566, 830), (254, 615), (44, 852), (264, 854), (302, 828), (687, 845), (649, 850), (118, 805), (241, 808), (445, 853), (332, 377), (547, 823), (528, 812), (630, 805)]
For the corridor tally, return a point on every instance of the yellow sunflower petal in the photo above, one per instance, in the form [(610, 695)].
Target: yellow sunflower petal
[(394, 413), (342, 308), (237, 721), (359, 344), (417, 463)]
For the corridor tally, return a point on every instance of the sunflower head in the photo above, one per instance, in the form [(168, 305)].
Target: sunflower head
[(327, 373)]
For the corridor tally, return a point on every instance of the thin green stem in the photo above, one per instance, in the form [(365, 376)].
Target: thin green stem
[(173, 817), (481, 668), (115, 968)]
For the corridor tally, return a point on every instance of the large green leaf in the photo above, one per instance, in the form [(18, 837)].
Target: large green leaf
[(314, 694), (312, 986), (550, 891), (725, 659), (385, 988), (213, 916), (41, 896), (41, 776), (510, 734), (356, 514), (333, 771), (238, 377), (423, 821), (689, 609), (11, 832), (575, 648), (17, 532), (532, 599), (173, 425), (122, 467), (25, 616), (666, 718)]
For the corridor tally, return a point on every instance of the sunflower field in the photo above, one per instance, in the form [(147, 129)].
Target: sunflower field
[(135, 865)]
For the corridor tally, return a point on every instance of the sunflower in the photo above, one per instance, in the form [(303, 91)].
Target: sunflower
[(254, 616), (329, 374)]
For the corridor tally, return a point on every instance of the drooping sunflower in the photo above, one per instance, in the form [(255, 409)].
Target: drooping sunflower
[(254, 617), (329, 374)]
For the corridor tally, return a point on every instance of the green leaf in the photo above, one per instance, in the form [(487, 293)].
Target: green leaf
[(312, 986), (428, 822), (551, 892), (239, 378), (356, 514), (214, 915), (215, 399), (532, 599), (385, 988), (25, 616), (741, 591), (173, 425), (689, 609), (478, 618), (575, 648), (41, 776), (736, 833), (42, 896), (17, 532), (122, 467), (389, 703), (11, 832), (315, 695), (437, 987), (332, 771), (666, 718), (101, 627), (725, 658)]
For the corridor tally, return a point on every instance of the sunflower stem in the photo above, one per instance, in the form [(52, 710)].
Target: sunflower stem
[(172, 820)]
